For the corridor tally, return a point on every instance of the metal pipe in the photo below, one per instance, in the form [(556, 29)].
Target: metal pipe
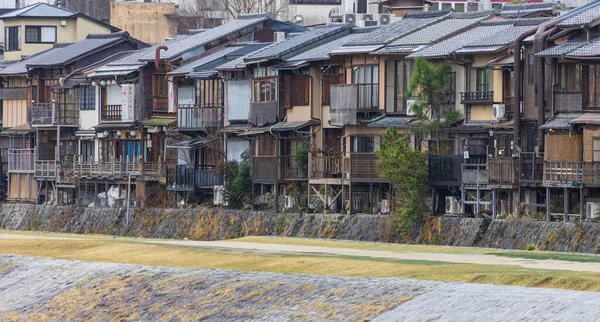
[(128, 197), (157, 56)]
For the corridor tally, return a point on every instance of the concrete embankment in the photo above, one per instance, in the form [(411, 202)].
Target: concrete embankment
[(34, 289), (215, 224)]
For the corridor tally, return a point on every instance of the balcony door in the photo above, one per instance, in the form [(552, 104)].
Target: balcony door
[(481, 80)]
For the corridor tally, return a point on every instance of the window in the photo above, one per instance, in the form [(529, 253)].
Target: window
[(264, 84), (12, 36), (481, 80), (264, 146), (87, 150), (333, 76), (459, 7), (593, 87), (367, 78), (365, 144), (210, 93), (530, 69), (40, 35), (446, 6), (596, 149), (296, 90), (569, 77), (87, 98)]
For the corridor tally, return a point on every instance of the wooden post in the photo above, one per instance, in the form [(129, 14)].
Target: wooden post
[(581, 204), (566, 203), (494, 211), (547, 204)]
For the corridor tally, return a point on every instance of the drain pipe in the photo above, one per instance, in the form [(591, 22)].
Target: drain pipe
[(157, 56)]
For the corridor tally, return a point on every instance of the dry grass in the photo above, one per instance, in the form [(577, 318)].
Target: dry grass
[(112, 250)]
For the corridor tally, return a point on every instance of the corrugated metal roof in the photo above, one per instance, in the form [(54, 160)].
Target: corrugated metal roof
[(393, 31), (560, 121), (297, 42), (187, 144), (290, 126), (387, 121)]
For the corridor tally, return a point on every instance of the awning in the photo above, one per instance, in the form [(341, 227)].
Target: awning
[(85, 133), (115, 126), (25, 127), (346, 50), (188, 144), (292, 126), (560, 121), (234, 129), (387, 121), (503, 61), (159, 121), (587, 118), (254, 131), (479, 49)]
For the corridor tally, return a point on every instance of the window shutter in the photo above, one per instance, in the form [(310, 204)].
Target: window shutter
[(287, 91)]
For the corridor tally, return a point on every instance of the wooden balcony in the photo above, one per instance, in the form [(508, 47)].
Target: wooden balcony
[(532, 168), (52, 114), (291, 170), (477, 97), (21, 160), (326, 166), (117, 169), (194, 118), (502, 171), (191, 178), (445, 169), (563, 173), (475, 174), (111, 113), (362, 167), (46, 169), (274, 169)]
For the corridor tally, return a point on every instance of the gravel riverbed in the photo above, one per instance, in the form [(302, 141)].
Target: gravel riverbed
[(58, 290)]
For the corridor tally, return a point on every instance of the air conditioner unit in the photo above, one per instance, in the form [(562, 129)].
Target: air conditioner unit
[(351, 18), (452, 205), (592, 210), (218, 195), (369, 20), (385, 19), (409, 107), (290, 202), (498, 111), (386, 206)]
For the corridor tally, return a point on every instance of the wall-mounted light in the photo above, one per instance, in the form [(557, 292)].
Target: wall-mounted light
[(165, 128), (114, 82), (105, 133), (119, 133), (132, 133), (157, 129), (94, 83), (103, 83)]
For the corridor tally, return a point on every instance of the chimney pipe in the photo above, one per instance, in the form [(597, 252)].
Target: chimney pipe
[(157, 56)]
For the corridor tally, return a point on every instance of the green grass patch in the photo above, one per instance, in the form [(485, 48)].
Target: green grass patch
[(548, 255)]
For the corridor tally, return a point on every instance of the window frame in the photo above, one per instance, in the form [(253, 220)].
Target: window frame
[(333, 76), (39, 30), (85, 100), (572, 75), (267, 90), (7, 37), (371, 84)]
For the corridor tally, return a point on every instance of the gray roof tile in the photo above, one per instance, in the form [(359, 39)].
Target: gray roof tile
[(40, 9), (387, 121), (20, 67), (393, 31), (589, 49), (322, 52), (291, 44), (88, 46), (217, 58), (526, 9), (560, 121), (564, 48), (586, 17)]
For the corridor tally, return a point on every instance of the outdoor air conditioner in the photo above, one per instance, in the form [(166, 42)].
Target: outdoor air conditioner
[(592, 209), (409, 109), (385, 19), (369, 20), (386, 206), (218, 198), (452, 205), (498, 111), (290, 202), (351, 18)]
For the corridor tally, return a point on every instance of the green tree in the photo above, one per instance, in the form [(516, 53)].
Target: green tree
[(238, 183), (430, 88), (406, 170)]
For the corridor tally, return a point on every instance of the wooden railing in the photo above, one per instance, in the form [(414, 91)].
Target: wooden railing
[(502, 170), (445, 169), (46, 169), (117, 168), (362, 166), (477, 97), (198, 118), (111, 113), (160, 104), (326, 166), (291, 170), (563, 172), (475, 174), (264, 168), (54, 114), (21, 160)]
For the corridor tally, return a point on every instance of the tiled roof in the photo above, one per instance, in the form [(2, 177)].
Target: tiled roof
[(448, 46), (287, 46), (588, 16), (189, 66), (526, 9), (393, 31), (90, 45), (322, 52), (396, 49), (505, 37), (560, 121), (436, 31), (217, 58), (180, 45), (590, 49), (564, 48), (387, 121), (40, 9), (20, 67)]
